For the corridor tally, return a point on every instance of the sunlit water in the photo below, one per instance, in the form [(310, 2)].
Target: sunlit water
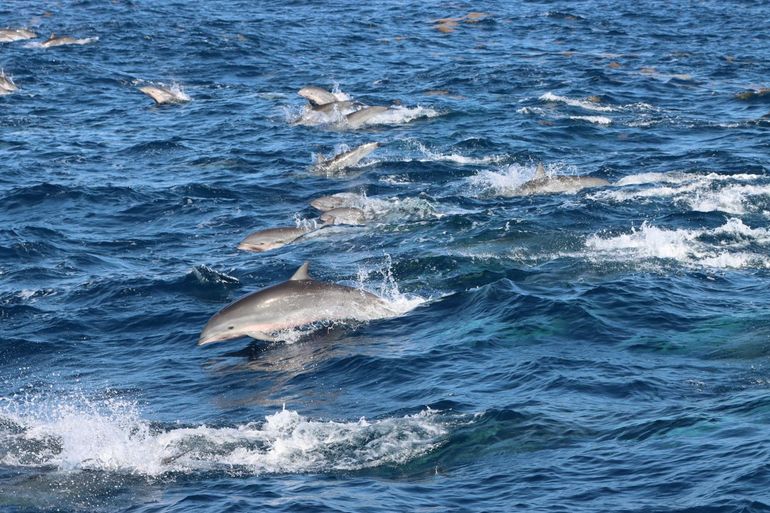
[(603, 350)]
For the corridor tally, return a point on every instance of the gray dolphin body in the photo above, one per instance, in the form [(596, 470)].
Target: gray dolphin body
[(543, 184), (297, 302), (271, 238), (361, 117), (163, 95), (344, 215), (317, 96), (6, 84), (341, 199), (55, 40), (347, 159), (9, 35)]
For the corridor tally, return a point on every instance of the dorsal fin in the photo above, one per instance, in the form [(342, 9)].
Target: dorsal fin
[(539, 171), (301, 273)]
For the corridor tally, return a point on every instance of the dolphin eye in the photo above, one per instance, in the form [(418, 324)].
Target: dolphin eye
[(230, 327)]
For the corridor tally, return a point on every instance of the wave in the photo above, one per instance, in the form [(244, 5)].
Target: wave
[(111, 436), (721, 247), (710, 192), (597, 120)]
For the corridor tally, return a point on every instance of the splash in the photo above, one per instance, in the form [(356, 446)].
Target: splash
[(387, 288), (429, 155), (722, 247), (506, 181), (710, 192), (399, 115), (81, 435)]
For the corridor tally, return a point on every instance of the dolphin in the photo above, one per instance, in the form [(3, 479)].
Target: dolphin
[(9, 35), (163, 95), (53, 40), (361, 117), (341, 199), (6, 84), (297, 302), (344, 215), (347, 159), (317, 96), (271, 238), (543, 184)]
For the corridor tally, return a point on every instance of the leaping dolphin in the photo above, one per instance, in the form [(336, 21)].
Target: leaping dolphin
[(163, 95), (297, 302), (544, 184), (9, 35), (347, 159)]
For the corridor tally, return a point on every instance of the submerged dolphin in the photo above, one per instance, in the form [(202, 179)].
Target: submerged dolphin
[(361, 117), (9, 35), (340, 199), (344, 215), (543, 184), (271, 238), (6, 84), (163, 95), (297, 302), (53, 40), (347, 158)]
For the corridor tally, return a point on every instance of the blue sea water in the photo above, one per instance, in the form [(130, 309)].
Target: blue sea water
[(605, 350)]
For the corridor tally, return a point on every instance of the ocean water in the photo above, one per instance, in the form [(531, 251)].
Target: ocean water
[(604, 350)]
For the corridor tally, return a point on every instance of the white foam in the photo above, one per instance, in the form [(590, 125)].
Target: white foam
[(689, 247), (572, 102), (433, 156), (82, 435), (598, 120), (701, 193)]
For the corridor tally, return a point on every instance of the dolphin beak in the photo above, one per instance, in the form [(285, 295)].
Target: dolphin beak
[(202, 341)]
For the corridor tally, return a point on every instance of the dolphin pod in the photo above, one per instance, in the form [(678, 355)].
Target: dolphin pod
[(297, 302)]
